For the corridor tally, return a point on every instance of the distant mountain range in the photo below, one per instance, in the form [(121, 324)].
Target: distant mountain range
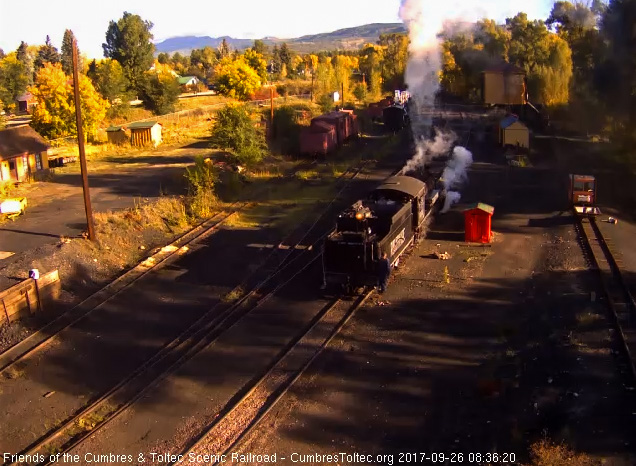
[(342, 39)]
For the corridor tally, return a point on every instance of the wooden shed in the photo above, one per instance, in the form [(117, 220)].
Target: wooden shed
[(513, 132), (478, 223), (116, 135), (504, 84), (144, 133), (26, 102), (22, 153)]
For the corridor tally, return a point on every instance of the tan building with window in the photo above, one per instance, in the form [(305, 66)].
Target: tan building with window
[(22, 153)]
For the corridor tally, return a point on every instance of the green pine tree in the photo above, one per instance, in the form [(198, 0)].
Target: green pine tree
[(67, 53), (46, 54)]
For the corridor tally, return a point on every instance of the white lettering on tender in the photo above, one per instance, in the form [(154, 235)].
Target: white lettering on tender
[(398, 241)]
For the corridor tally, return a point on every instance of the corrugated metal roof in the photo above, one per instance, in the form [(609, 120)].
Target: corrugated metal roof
[(481, 206), (20, 140), (143, 124), (112, 129)]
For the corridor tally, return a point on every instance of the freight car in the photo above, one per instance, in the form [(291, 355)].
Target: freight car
[(387, 222), (328, 132)]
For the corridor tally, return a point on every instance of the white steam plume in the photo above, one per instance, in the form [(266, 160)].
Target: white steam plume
[(452, 197), (427, 149), (455, 173)]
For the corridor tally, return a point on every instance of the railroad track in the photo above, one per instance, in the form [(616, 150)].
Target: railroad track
[(46, 335), (98, 413), (180, 246), (249, 407), (619, 299)]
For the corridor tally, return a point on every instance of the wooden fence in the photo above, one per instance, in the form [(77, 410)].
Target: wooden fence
[(28, 296)]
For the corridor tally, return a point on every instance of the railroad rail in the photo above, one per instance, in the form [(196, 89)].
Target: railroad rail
[(167, 254), (45, 335), (72, 432), (619, 298), (260, 396)]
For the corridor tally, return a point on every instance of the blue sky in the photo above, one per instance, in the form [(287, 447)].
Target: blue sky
[(32, 20)]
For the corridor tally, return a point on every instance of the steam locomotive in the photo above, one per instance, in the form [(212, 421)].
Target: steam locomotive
[(390, 220)]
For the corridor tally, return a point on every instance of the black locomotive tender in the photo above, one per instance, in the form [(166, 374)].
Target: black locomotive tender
[(395, 117), (390, 220)]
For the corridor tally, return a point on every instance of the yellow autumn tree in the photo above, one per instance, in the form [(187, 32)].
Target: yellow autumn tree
[(325, 77), (311, 62), (236, 78), (343, 67), (54, 116), (298, 64)]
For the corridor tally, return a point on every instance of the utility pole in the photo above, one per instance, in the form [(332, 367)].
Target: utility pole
[(311, 95), (80, 144), (342, 98), (271, 112)]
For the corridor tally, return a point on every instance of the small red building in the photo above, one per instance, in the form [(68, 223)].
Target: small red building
[(478, 219)]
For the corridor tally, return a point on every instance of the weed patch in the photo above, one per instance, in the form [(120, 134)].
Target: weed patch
[(307, 175), (546, 453), (234, 295), (14, 372)]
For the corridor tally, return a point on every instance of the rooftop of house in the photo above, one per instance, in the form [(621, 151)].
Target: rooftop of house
[(24, 97), (21, 140), (509, 121), (185, 79)]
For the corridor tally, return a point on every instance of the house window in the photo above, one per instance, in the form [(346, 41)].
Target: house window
[(38, 161)]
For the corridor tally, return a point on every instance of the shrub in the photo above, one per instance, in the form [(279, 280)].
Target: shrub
[(360, 92), (287, 129), (325, 102), (236, 132), (160, 93), (201, 179)]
